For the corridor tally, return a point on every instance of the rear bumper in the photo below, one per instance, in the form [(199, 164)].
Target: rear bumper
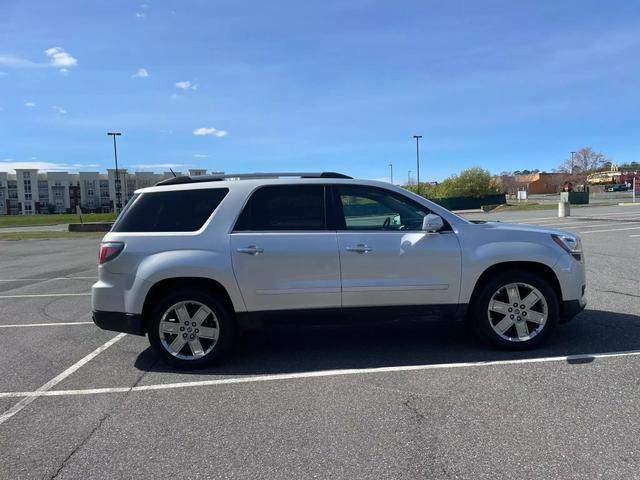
[(119, 322)]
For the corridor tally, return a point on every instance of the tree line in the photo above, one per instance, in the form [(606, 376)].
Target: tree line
[(477, 181)]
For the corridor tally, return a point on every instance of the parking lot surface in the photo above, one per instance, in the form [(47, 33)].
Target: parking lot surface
[(388, 400)]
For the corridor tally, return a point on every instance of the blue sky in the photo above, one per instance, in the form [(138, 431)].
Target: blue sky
[(333, 85)]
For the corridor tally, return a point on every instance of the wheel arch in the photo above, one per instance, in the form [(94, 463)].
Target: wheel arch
[(540, 269), (163, 287)]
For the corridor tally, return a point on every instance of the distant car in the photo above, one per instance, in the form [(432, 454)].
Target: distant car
[(620, 187), (193, 258)]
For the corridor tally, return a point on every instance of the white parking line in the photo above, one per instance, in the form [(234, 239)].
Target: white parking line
[(316, 374), (584, 224), (586, 221), (54, 381), (610, 230), (564, 219), (45, 279), (45, 324), (37, 295), (634, 236)]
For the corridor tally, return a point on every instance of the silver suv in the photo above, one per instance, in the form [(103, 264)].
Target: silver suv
[(192, 259)]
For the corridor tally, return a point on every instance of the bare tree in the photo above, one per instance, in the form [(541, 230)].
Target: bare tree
[(507, 183), (584, 161)]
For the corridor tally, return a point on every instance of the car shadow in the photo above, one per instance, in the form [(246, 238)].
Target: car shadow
[(291, 349)]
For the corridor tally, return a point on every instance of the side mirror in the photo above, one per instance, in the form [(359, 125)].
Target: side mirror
[(432, 223)]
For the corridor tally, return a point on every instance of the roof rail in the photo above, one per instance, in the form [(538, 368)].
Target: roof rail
[(248, 176)]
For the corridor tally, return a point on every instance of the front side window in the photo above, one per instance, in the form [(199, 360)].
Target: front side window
[(367, 208), (170, 211), (287, 207)]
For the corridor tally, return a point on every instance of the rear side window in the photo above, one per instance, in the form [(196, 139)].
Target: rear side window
[(171, 211), (290, 207)]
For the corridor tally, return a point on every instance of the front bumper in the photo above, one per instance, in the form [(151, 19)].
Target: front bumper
[(119, 322), (571, 308)]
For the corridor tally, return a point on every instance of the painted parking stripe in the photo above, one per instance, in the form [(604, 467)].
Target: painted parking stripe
[(45, 324), (317, 374), (54, 381), (548, 221), (38, 295), (610, 230), (597, 225), (45, 279), (562, 219), (586, 221)]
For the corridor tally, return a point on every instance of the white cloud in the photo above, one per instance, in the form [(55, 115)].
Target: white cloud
[(186, 85), (141, 73), (140, 15), (144, 6), (211, 132), (30, 104), (60, 58), (17, 62), (64, 71), (59, 109), (3, 74), (200, 155), (10, 165)]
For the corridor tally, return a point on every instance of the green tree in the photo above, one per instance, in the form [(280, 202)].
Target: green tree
[(472, 182)]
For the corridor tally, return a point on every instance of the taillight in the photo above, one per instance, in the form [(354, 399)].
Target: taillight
[(109, 251)]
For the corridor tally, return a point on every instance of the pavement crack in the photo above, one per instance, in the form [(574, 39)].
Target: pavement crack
[(104, 418), (619, 293), (413, 409), (80, 445)]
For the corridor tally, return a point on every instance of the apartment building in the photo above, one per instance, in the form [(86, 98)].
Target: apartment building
[(28, 191)]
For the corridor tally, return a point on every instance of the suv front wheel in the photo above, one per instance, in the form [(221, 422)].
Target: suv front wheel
[(515, 310), (191, 329)]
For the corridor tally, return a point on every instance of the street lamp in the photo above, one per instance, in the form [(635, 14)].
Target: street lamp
[(572, 156), (115, 154), (418, 137), (391, 167)]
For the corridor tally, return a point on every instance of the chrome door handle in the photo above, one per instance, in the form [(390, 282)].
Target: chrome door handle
[(360, 248), (251, 250)]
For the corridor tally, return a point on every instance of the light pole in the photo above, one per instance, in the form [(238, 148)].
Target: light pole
[(418, 137), (409, 177), (572, 156), (391, 167), (117, 185)]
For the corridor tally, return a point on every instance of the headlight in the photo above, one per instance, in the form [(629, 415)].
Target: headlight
[(569, 244)]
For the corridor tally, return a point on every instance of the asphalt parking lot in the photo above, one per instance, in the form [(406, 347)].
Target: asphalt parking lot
[(410, 400)]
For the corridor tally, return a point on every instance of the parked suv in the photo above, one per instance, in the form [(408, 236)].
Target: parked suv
[(192, 259)]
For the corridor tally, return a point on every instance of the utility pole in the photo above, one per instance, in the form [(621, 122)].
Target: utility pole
[(572, 157), (418, 137), (409, 177), (117, 185), (391, 167)]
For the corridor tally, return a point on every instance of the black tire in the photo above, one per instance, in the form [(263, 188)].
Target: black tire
[(226, 325), (479, 309)]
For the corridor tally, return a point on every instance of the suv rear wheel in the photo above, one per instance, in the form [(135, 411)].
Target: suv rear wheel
[(515, 310), (191, 329)]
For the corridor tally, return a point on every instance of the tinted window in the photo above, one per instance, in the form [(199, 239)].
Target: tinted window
[(291, 207), (367, 208), (171, 211)]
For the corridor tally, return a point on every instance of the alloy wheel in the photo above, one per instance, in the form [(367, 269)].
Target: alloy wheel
[(517, 312), (189, 330)]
